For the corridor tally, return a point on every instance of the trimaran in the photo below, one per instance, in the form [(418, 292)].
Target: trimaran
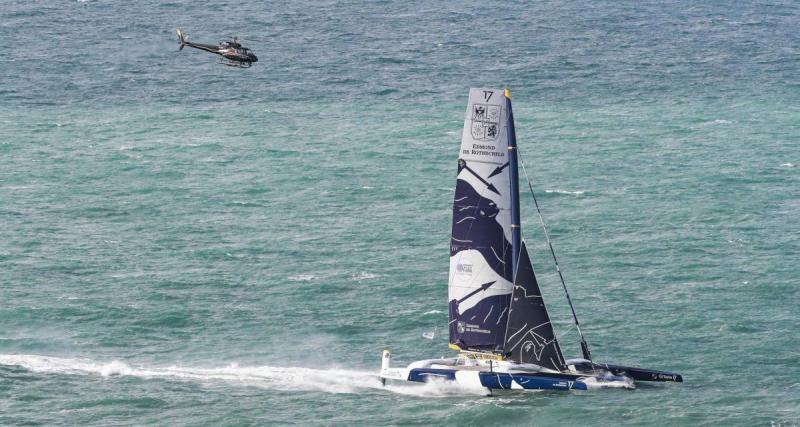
[(497, 318)]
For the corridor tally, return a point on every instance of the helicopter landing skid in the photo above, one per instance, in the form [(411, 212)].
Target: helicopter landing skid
[(235, 64)]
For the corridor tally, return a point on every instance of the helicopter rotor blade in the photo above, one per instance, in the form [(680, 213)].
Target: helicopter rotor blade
[(247, 39)]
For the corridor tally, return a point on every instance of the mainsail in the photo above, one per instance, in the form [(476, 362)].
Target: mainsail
[(485, 243), (481, 271)]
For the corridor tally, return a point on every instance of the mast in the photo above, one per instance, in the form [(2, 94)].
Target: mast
[(513, 175)]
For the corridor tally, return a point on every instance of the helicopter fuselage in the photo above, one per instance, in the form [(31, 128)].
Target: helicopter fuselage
[(228, 52), (235, 53)]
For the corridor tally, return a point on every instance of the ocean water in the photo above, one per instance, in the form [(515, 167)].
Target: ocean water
[(184, 243)]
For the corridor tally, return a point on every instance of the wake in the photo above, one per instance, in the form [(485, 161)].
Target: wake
[(267, 377)]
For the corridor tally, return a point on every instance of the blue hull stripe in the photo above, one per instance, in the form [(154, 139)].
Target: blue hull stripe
[(530, 382), (503, 381), (423, 375)]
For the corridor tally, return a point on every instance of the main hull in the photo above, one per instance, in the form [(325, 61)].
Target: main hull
[(500, 380), (490, 375)]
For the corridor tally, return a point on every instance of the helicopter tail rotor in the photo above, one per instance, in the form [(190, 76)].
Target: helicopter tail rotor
[(181, 38)]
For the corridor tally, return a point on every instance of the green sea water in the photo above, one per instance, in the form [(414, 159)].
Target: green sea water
[(184, 243)]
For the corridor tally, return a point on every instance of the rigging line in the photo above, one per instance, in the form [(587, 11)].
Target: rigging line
[(514, 269), (561, 335), (584, 345)]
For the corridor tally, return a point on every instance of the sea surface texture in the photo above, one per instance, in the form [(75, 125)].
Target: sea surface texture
[(185, 243)]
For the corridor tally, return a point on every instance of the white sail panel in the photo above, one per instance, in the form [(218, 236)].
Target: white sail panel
[(484, 136), (469, 271)]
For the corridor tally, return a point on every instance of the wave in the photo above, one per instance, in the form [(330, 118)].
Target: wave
[(270, 377), (305, 277), (575, 193), (715, 122), (364, 275)]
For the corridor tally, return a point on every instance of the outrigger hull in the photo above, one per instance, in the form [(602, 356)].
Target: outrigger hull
[(636, 374)]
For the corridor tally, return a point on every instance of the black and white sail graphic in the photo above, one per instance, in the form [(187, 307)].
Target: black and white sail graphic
[(479, 288), (530, 337)]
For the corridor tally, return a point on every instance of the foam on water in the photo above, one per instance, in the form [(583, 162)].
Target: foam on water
[(274, 377), (593, 384), (293, 378), (435, 389)]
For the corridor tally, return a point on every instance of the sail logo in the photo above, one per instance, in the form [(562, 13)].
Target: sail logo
[(533, 348), (660, 376), (463, 268), (485, 122)]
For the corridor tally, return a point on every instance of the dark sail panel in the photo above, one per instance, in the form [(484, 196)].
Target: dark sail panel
[(475, 227), (529, 336)]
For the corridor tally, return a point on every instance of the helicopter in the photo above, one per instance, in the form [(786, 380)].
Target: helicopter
[(234, 54)]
